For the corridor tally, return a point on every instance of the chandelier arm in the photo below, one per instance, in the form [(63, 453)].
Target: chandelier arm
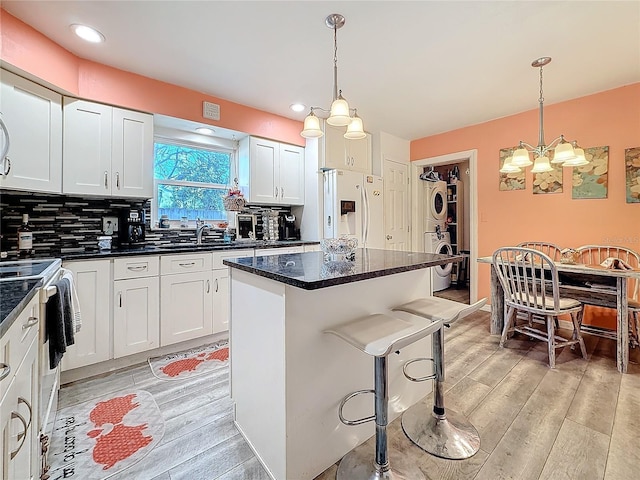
[(531, 148)]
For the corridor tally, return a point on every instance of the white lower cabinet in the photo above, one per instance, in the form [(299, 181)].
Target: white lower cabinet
[(221, 300), (136, 316), (93, 341), (186, 306)]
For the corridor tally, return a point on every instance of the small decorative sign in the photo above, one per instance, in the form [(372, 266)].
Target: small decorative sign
[(632, 170), (591, 180)]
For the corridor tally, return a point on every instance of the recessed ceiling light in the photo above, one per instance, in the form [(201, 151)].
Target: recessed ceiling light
[(205, 130), (87, 33), (297, 107)]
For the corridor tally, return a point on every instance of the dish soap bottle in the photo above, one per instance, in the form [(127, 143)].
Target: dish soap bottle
[(25, 236)]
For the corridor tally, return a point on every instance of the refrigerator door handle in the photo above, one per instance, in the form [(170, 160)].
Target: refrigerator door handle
[(365, 233)]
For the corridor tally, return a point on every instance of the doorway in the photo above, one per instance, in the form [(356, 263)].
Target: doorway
[(396, 205), (462, 217)]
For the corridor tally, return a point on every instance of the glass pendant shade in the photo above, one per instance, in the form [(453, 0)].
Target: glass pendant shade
[(311, 127), (508, 167), (355, 130), (563, 152), (339, 116), (521, 158), (541, 165), (579, 159)]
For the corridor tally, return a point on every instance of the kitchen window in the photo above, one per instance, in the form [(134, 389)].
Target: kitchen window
[(190, 181)]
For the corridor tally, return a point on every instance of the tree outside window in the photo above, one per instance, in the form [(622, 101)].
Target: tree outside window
[(191, 181)]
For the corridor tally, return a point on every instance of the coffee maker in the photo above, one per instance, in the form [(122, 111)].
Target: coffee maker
[(132, 227), (288, 230)]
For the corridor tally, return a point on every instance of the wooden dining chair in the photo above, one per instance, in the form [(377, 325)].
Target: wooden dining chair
[(530, 282), (595, 255), (550, 249)]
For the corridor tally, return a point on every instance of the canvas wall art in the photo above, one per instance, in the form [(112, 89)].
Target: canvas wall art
[(591, 180), (632, 170), (548, 182), (509, 181)]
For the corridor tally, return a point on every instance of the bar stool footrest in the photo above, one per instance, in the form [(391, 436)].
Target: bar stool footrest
[(359, 421), (418, 379)]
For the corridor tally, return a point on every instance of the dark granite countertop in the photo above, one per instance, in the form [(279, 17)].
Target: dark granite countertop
[(310, 271), (165, 249), (14, 296)]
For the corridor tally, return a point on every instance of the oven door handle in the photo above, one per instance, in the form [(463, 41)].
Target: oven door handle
[(47, 292)]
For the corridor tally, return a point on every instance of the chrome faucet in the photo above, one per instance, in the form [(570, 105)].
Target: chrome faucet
[(201, 228)]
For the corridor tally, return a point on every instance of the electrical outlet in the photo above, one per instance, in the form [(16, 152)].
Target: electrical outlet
[(109, 225)]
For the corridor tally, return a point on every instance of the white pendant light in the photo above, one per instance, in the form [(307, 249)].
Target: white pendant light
[(541, 165), (580, 159), (311, 127), (509, 167), (563, 152), (355, 129), (521, 158), (339, 113)]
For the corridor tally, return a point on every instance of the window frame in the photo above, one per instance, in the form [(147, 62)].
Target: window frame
[(212, 147)]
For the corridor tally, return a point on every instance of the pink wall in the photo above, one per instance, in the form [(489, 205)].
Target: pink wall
[(609, 118), (30, 51)]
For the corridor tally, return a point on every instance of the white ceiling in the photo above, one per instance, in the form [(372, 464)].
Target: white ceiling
[(412, 69)]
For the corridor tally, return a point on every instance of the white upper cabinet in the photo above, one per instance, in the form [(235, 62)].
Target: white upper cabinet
[(270, 172), (108, 151), (339, 152), (33, 117)]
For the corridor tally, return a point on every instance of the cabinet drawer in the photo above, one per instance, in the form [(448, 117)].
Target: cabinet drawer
[(15, 342), (199, 262), (136, 267), (218, 257), (260, 252)]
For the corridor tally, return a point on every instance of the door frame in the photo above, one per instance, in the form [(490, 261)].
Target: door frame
[(408, 208), (417, 203)]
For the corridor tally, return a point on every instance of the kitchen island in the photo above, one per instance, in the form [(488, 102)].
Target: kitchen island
[(288, 377)]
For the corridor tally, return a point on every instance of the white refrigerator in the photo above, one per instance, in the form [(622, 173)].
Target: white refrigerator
[(354, 206)]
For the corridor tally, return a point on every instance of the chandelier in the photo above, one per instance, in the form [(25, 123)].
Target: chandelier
[(340, 114), (569, 154)]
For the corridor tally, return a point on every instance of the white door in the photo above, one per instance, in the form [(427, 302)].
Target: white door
[(93, 341), (291, 173), (186, 306), (132, 154), (396, 205), (221, 300), (136, 316), (264, 156), (33, 117), (87, 148)]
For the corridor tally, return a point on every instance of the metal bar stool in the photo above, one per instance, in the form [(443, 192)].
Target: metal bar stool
[(446, 435), (378, 335)]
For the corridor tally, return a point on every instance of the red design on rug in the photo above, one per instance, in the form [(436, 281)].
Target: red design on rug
[(221, 355), (120, 443), (113, 410), (174, 369)]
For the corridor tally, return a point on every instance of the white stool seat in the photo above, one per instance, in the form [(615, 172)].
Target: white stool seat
[(440, 309), (378, 335)]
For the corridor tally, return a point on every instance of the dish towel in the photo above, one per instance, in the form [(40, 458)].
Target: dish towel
[(615, 264), (59, 322), (76, 318)]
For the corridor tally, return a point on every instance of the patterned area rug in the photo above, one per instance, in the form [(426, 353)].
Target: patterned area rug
[(97, 439), (190, 363)]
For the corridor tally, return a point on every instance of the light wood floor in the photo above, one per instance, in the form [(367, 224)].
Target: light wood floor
[(456, 294), (580, 421)]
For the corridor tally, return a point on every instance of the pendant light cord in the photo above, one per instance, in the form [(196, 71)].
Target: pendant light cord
[(541, 101), (335, 62)]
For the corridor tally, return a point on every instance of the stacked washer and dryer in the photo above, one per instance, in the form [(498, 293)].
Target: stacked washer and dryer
[(436, 238)]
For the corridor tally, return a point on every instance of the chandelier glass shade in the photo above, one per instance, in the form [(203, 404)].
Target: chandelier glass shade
[(340, 114), (563, 152)]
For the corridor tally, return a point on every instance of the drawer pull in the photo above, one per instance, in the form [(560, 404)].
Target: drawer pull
[(30, 323), (23, 400), (187, 265), (6, 370), (22, 436), (138, 268)]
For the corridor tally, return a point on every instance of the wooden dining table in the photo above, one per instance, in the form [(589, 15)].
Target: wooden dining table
[(589, 284)]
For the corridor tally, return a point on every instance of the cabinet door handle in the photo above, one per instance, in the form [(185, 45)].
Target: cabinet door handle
[(281, 192), (208, 286), (22, 436), (276, 191), (216, 284), (118, 180), (106, 179), (187, 265), (6, 370), (6, 166), (138, 268), (120, 299), (24, 400), (30, 323)]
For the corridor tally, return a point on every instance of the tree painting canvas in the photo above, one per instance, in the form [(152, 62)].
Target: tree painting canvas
[(632, 169), (591, 180), (510, 181), (548, 182)]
